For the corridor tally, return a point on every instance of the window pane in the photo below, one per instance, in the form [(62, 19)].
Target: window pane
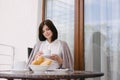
[(61, 12), (102, 37)]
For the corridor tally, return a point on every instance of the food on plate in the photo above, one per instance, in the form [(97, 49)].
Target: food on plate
[(40, 60), (35, 62), (46, 62)]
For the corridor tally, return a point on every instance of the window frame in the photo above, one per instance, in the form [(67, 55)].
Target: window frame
[(79, 63)]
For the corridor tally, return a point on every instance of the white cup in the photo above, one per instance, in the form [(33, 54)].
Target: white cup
[(19, 65)]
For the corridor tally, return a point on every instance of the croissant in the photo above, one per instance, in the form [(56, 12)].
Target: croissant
[(40, 60), (46, 62)]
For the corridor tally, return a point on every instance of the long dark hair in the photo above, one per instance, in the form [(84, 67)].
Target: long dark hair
[(51, 26)]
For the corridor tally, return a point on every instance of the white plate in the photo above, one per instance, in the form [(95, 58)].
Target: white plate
[(61, 70), (19, 71), (58, 70)]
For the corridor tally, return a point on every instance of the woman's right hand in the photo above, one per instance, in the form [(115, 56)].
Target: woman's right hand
[(38, 54)]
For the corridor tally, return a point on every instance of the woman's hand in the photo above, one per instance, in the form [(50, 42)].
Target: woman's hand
[(38, 54), (56, 58)]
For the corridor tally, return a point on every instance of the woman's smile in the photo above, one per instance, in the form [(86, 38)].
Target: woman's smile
[(47, 32)]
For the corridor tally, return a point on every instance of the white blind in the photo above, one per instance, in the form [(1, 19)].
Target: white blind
[(61, 12)]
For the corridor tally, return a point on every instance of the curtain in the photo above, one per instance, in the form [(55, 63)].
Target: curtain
[(102, 37)]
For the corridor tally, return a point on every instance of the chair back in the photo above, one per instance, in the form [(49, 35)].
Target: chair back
[(6, 57), (29, 51)]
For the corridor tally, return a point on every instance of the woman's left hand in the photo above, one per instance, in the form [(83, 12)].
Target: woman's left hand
[(56, 58)]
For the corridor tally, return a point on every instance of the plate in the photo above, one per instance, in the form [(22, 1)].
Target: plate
[(57, 71), (19, 71), (61, 70)]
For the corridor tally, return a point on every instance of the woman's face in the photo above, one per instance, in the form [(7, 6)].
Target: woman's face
[(47, 32)]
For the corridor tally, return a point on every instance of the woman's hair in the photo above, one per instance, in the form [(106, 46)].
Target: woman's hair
[(51, 26)]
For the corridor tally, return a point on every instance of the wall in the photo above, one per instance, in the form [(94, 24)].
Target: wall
[(19, 20)]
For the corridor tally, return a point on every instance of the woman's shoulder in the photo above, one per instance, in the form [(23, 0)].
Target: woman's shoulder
[(39, 42), (62, 42)]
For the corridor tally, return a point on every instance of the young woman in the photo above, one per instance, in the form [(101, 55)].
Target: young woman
[(50, 46)]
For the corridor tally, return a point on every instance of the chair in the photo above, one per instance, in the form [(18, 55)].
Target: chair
[(29, 51), (6, 57)]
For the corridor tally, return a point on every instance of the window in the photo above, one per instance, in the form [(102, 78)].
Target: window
[(70, 18), (61, 12)]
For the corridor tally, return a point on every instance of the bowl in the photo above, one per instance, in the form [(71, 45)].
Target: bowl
[(38, 68)]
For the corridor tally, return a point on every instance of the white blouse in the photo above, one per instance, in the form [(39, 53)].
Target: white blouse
[(51, 48)]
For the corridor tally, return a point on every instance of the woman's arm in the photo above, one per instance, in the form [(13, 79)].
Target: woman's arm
[(56, 58), (68, 61), (33, 53)]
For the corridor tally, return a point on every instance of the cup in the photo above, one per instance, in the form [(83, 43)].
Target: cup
[(19, 65)]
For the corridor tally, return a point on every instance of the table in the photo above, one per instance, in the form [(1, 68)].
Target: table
[(50, 75)]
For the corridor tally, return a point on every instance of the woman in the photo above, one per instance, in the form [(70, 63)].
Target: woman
[(49, 45)]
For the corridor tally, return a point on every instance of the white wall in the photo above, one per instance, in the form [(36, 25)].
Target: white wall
[(19, 20)]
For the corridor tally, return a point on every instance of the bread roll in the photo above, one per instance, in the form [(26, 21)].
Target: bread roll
[(35, 62), (38, 60), (46, 62)]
